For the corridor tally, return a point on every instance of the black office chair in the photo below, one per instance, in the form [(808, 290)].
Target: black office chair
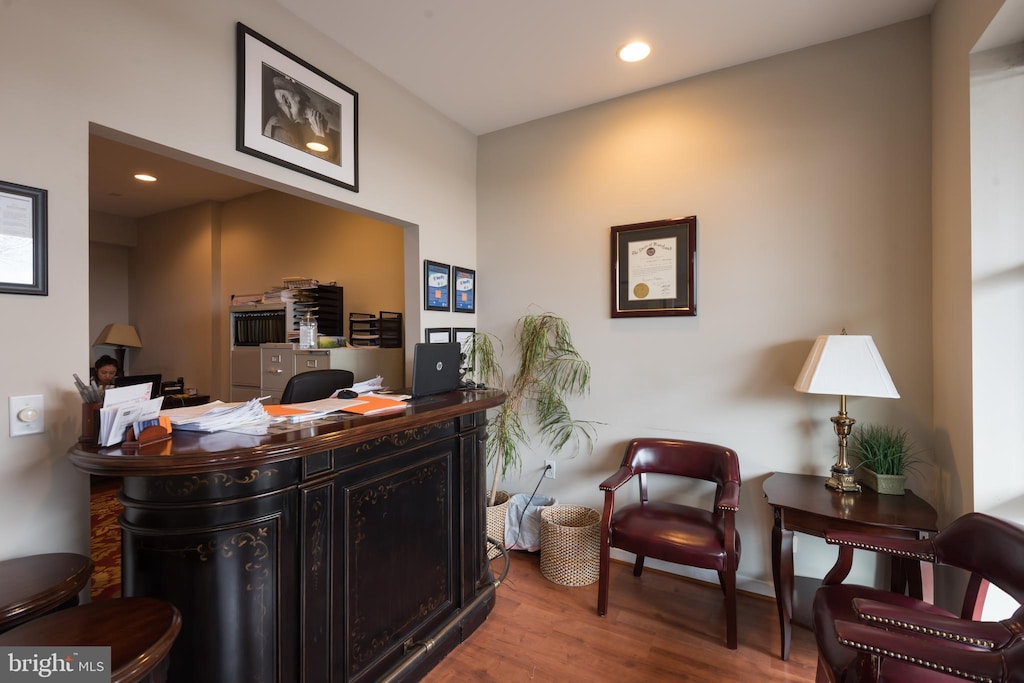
[(316, 384)]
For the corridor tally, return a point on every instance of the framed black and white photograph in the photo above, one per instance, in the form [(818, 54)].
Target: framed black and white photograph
[(465, 290), (293, 114), (22, 240), (436, 286), (437, 335), (653, 268)]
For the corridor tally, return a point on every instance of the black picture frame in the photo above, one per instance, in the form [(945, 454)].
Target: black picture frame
[(286, 106), (436, 286), (464, 298), (462, 335), (653, 268), (437, 335), (23, 239)]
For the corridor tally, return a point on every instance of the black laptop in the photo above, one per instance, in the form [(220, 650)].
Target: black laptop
[(435, 368)]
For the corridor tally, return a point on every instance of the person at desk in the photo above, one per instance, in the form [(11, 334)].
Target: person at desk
[(104, 370)]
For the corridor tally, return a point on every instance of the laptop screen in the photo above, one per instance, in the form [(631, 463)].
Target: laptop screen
[(435, 368)]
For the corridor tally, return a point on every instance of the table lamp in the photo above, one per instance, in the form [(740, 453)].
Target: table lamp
[(122, 336), (845, 365)]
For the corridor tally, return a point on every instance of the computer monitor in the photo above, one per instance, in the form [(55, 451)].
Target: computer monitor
[(129, 380)]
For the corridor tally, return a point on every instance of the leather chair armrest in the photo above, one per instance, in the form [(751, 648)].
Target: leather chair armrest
[(915, 549), (616, 480), (991, 635), (931, 653), (730, 499)]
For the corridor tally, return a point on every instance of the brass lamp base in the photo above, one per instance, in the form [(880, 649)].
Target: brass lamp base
[(842, 480)]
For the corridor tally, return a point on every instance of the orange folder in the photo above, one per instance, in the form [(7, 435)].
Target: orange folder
[(371, 405)]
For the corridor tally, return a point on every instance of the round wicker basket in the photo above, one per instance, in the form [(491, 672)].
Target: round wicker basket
[(496, 522), (569, 539)]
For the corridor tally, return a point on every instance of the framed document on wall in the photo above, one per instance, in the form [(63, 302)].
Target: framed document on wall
[(465, 290), (436, 286), (653, 268), (23, 253), (437, 335)]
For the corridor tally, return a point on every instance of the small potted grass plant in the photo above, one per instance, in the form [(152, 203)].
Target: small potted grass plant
[(885, 455)]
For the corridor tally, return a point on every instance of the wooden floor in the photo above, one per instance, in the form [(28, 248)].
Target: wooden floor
[(659, 627)]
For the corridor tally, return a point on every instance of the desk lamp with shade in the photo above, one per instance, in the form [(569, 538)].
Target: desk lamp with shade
[(845, 365), (121, 336)]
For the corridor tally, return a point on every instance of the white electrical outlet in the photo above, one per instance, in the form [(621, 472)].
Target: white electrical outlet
[(26, 415), (550, 472)]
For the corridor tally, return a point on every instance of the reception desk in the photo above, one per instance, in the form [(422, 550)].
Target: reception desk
[(352, 549)]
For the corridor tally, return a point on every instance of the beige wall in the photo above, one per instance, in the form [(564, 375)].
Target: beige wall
[(165, 73), (809, 174), (176, 285), (956, 26), (174, 311)]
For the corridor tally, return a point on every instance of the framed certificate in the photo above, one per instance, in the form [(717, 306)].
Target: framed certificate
[(653, 268), (465, 290), (436, 286), (437, 335), (23, 254)]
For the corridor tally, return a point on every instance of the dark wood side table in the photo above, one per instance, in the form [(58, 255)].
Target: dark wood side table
[(802, 502), (37, 584)]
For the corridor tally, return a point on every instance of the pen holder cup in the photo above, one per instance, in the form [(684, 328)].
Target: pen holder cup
[(90, 423)]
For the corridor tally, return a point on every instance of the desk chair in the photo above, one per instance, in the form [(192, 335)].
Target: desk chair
[(872, 635), (315, 384), (682, 534)]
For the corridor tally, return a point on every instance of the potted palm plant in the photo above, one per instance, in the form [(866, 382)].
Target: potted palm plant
[(550, 371), (885, 454)]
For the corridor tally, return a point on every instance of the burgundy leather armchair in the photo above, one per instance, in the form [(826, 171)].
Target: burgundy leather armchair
[(867, 635), (681, 534)]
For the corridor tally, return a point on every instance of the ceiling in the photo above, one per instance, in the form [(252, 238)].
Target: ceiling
[(488, 65)]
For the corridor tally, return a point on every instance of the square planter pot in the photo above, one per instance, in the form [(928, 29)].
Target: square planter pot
[(889, 484)]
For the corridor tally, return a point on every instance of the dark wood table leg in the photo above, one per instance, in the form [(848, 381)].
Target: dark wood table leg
[(782, 573)]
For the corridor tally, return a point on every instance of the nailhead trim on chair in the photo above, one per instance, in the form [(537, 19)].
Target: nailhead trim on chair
[(914, 660), (948, 635), (925, 557)]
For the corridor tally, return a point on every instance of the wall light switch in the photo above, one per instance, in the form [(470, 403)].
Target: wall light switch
[(26, 415)]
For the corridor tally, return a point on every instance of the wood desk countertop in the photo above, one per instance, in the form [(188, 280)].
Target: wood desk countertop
[(196, 452)]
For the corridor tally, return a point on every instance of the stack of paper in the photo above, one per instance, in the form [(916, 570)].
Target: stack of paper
[(124, 407), (247, 418)]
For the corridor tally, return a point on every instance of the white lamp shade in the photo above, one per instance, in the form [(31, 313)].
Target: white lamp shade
[(845, 365), (119, 334)]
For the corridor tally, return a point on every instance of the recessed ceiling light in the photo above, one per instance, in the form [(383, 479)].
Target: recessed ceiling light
[(317, 146), (635, 51), (145, 177)]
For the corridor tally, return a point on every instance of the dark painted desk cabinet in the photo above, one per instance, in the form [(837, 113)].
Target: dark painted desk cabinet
[(327, 553)]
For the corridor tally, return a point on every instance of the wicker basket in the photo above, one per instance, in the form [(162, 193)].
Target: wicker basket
[(496, 522), (569, 539)]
